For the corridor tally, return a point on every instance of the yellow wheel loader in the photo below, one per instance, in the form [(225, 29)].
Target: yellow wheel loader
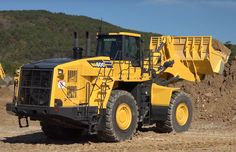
[(3, 76), (2, 73), (119, 90)]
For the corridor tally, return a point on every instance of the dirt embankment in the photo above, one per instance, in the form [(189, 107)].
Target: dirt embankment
[(214, 97)]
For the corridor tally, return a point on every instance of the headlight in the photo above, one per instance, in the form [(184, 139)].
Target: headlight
[(60, 72)]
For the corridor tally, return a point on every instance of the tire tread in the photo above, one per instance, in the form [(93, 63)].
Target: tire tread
[(109, 134)]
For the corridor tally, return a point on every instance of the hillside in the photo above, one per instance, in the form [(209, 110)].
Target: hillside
[(32, 35)]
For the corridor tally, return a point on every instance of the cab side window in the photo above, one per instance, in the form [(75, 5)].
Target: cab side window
[(132, 50), (110, 46)]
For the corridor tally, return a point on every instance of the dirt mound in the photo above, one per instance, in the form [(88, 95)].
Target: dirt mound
[(215, 97), (217, 45)]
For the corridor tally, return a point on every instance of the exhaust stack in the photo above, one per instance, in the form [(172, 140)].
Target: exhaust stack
[(77, 51), (76, 40), (88, 45)]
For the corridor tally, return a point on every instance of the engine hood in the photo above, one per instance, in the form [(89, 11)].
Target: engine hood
[(47, 63)]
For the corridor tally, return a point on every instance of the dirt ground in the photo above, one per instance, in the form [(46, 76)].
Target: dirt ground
[(213, 127)]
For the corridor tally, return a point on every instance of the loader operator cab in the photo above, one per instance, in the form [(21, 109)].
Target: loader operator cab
[(120, 46)]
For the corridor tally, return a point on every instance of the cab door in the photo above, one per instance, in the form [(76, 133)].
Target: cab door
[(131, 56)]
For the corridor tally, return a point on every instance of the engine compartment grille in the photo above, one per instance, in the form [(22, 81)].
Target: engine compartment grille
[(35, 86), (72, 76)]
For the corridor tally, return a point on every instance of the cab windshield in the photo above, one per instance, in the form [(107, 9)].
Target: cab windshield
[(109, 45)]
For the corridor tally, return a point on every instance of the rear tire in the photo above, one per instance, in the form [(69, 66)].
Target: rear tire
[(121, 117), (61, 133), (179, 116)]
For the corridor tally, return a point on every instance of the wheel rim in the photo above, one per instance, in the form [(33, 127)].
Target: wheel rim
[(182, 114), (123, 116)]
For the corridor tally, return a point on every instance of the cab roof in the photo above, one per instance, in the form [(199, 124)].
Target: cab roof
[(124, 33)]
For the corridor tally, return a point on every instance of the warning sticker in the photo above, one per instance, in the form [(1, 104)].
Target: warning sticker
[(61, 84)]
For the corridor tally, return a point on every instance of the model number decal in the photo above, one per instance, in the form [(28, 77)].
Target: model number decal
[(100, 64)]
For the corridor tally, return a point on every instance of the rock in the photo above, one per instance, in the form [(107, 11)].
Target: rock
[(208, 94)]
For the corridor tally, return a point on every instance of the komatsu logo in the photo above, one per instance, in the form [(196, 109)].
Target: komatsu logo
[(100, 64)]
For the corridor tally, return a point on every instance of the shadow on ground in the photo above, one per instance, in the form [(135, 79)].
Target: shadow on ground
[(40, 138)]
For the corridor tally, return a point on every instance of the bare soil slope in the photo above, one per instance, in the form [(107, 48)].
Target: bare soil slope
[(215, 97)]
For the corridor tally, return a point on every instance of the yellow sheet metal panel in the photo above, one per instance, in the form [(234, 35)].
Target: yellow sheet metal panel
[(92, 72), (2, 73), (160, 95), (197, 53), (217, 62), (71, 86), (70, 90), (126, 34), (186, 47), (179, 69)]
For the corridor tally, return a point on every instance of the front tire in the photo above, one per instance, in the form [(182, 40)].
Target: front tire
[(179, 115), (121, 117)]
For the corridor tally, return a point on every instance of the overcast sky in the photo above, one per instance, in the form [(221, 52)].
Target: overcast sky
[(169, 17)]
